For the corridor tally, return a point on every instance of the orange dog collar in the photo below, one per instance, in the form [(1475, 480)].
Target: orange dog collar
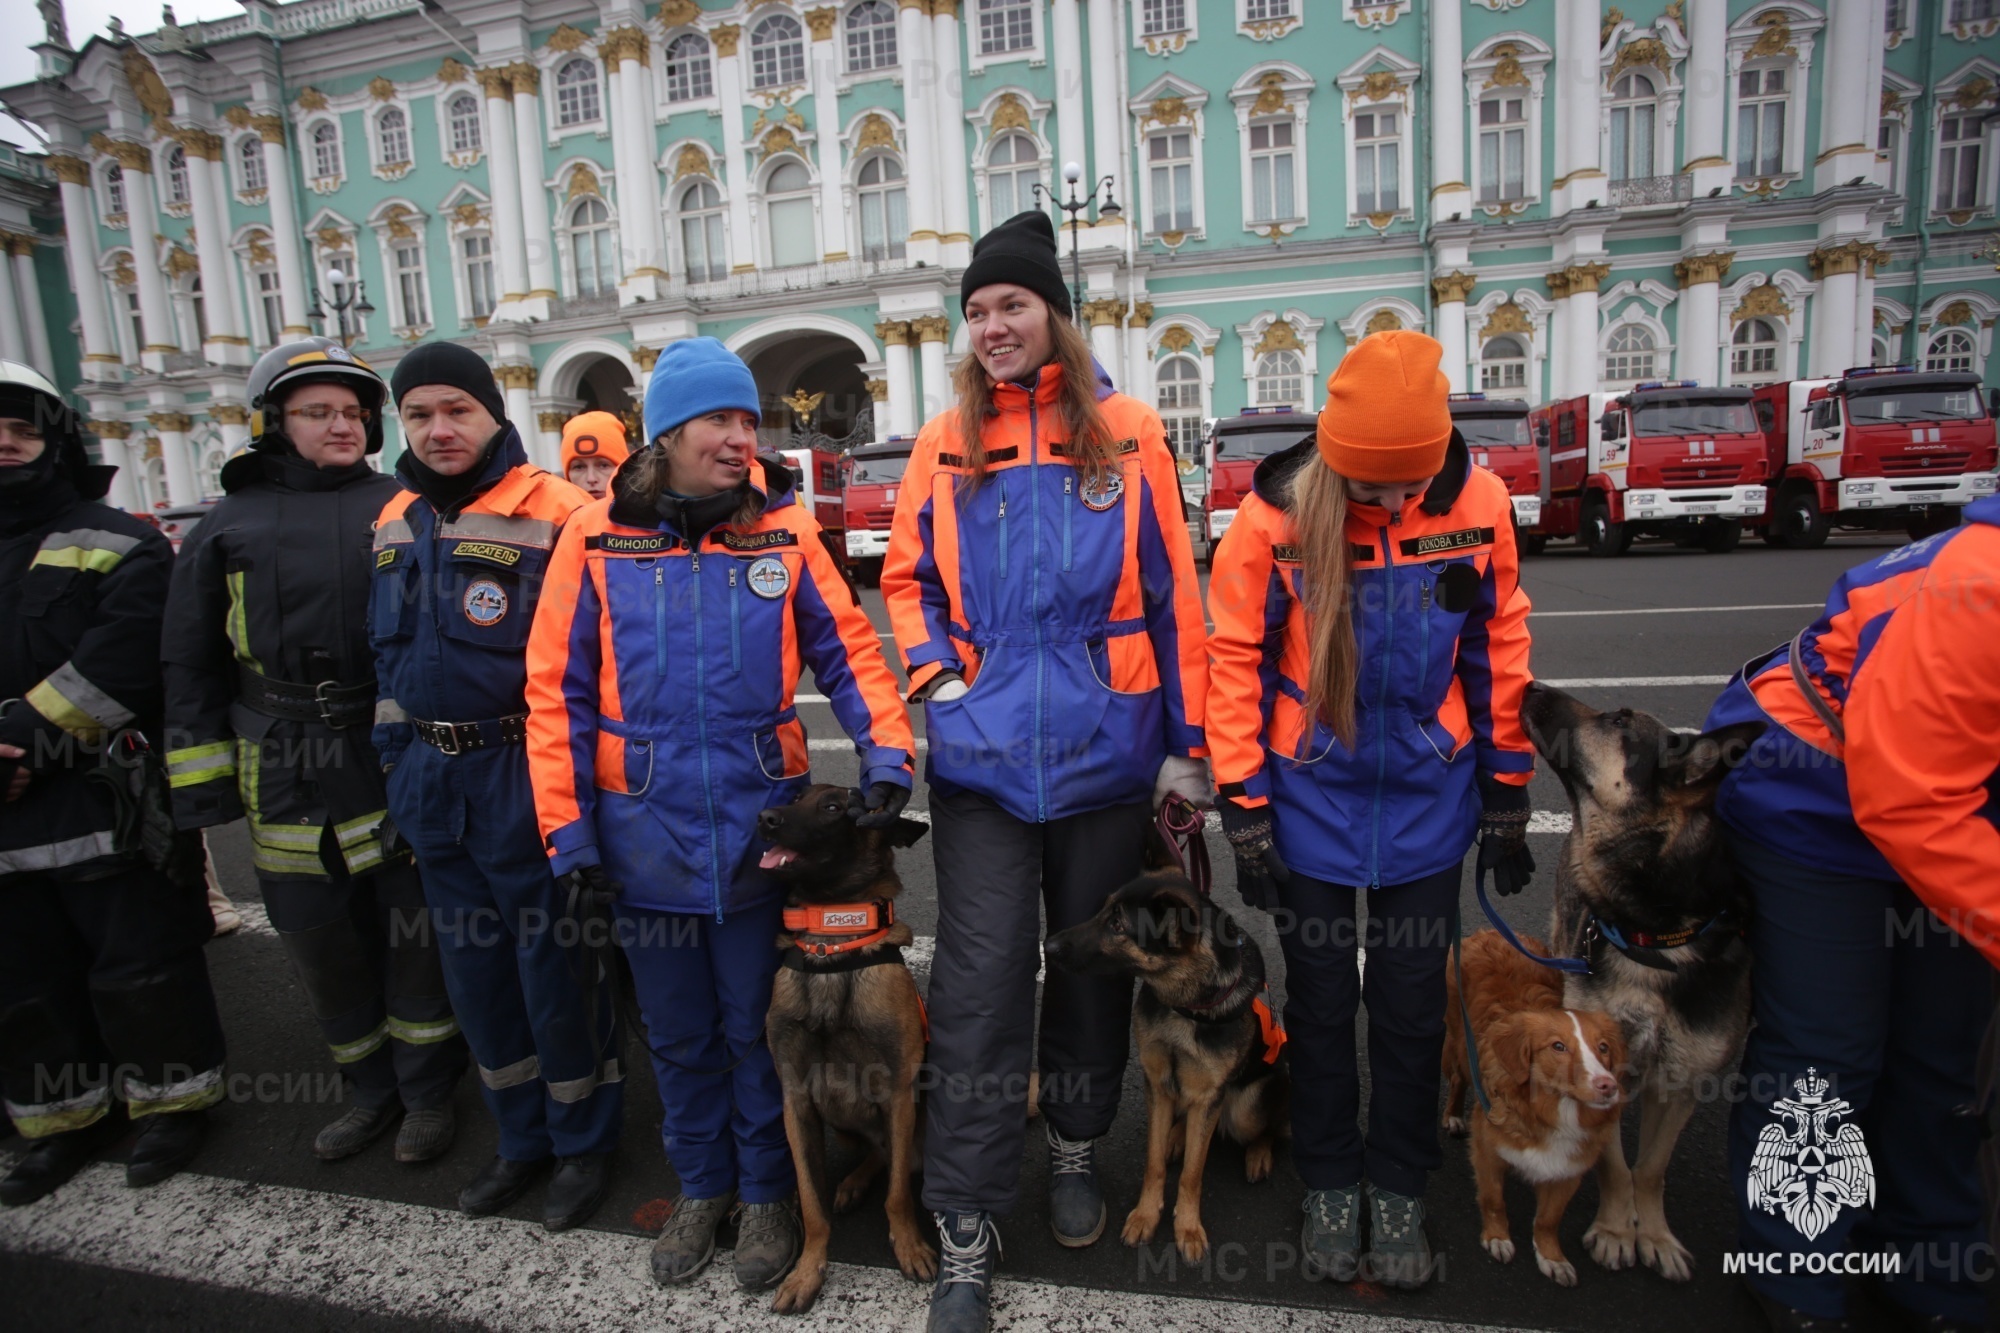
[(867, 923)]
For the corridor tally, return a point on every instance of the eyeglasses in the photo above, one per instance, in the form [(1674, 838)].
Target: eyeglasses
[(322, 412)]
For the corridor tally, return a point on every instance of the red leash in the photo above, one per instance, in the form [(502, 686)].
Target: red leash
[(1180, 824)]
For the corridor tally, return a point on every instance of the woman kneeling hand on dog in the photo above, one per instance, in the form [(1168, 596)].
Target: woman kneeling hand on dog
[(1389, 736), (661, 671)]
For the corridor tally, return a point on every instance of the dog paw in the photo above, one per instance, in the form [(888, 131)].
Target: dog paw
[(798, 1291), (1192, 1239), (1612, 1247), (1663, 1253), (915, 1257), (1140, 1224), (1559, 1271), (1257, 1161), (1455, 1126), (1499, 1248), (849, 1196)]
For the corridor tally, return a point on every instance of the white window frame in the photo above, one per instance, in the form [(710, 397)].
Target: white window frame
[(678, 216), (1486, 66), (123, 303), (1897, 27), (1796, 288), (320, 256), (849, 33), (1944, 107), (1250, 335), (1253, 18), (856, 166), (250, 275), (1373, 14), (1965, 30), (750, 28), (165, 175), (1904, 119), (404, 322), (309, 140), (454, 157), (246, 191), (1164, 43), (1654, 100), (566, 232), (469, 313), (663, 107), (378, 162), (1295, 86), (1535, 308), (1656, 348), (457, 228), (1739, 375), (1194, 119), (1196, 412), (977, 60), (1149, 166), (112, 208), (552, 67), (1744, 35), (1935, 336), (760, 202), (1483, 363), (995, 215)]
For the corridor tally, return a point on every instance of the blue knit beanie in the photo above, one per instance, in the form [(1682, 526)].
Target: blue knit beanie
[(695, 376)]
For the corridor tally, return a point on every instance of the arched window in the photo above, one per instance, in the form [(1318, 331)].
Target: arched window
[(788, 209), (777, 52), (1178, 381), (1630, 353), (1762, 94), (1012, 168), (325, 150), (885, 217), (177, 175), (392, 136), (576, 93), (114, 190), (462, 116), (1951, 350), (1503, 147), (211, 471), (1281, 380), (250, 162), (689, 75), (1633, 109), (871, 36), (593, 249), (1503, 363), (701, 233), (1879, 353), (1753, 352)]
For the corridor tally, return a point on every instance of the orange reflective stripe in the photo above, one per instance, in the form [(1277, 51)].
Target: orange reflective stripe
[(1238, 585), (553, 764), (923, 481), (1162, 474), (888, 720)]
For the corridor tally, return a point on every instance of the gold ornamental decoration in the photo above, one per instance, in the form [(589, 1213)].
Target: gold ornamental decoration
[(270, 127), (644, 357), (893, 333), (146, 84), (468, 214), (129, 156), (1280, 337), (582, 182), (931, 329), (1457, 286), (450, 71), (780, 140), (494, 83), (1507, 71), (1612, 18), (804, 404), (110, 430), (566, 38), (69, 170), (674, 13), (526, 78), (1506, 318), (381, 89), (122, 274), (1776, 39), (1645, 51), (1382, 321), (199, 143), (170, 423), (1141, 316), (1764, 301), (876, 132), (1009, 113), (1697, 269), (1178, 339), (398, 219), (229, 414), (1892, 102), (180, 262), (621, 44), (877, 389), (692, 161), (238, 116), (1270, 94), (258, 245), (724, 37), (1169, 111), (821, 22), (1379, 86), (1972, 93), (1958, 313), (311, 99), (331, 238), (515, 377), (1585, 277)]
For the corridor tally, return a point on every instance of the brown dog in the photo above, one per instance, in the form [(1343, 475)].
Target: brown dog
[(846, 1025), (1213, 1055), (1552, 1075)]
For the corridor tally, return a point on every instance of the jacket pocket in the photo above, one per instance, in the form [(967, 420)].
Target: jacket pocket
[(624, 766), (44, 588), (392, 595), (489, 607), (782, 752), (1124, 663)]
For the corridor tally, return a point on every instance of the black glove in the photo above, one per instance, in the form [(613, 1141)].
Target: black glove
[(592, 892), (1260, 871), (879, 809), (1503, 835), (394, 844)]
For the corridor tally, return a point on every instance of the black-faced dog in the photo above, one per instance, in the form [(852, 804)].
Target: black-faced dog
[(1213, 1055), (846, 1024), (1646, 891)]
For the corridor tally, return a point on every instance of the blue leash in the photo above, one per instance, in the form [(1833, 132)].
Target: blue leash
[(1575, 966), (1578, 966)]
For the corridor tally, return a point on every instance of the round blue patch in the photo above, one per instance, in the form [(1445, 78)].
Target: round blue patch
[(485, 603), (1101, 496), (769, 578)]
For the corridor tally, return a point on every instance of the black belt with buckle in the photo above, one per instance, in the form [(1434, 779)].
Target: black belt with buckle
[(458, 737), (335, 703)]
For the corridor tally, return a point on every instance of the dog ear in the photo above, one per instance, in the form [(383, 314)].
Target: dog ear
[(1711, 755), (905, 832), (1511, 1044)]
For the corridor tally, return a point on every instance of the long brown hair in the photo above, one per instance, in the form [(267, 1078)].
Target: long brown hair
[(1319, 520), (1090, 443), (644, 477)]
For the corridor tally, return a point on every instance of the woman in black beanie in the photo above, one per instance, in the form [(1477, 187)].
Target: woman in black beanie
[(1043, 594)]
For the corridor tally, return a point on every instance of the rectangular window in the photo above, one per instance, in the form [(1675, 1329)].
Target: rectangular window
[(1377, 163), (1888, 144), (1272, 182), (1958, 163), (1895, 16), (1158, 17), (1171, 158), (271, 305), (410, 284), (1632, 141), (1006, 25), (478, 252), (1263, 11), (1974, 11), (1760, 122), (792, 241), (701, 238), (1503, 149), (885, 223)]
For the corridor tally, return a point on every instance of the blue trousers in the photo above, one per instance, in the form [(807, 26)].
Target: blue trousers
[(1408, 939), (1856, 980), (704, 987), (548, 1066)]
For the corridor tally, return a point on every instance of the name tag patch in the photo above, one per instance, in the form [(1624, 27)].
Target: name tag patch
[(624, 545), (384, 559), (858, 919), (491, 552), (1286, 552), (755, 541), (1436, 543)]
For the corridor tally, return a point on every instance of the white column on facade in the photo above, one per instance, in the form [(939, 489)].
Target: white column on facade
[(1871, 93), (1578, 95), (1707, 95), (1837, 269), (921, 130), (541, 244), (1449, 292), (932, 332), (1558, 350), (233, 423), (1138, 360), (1584, 280), (1864, 306), (517, 386), (1446, 77), (878, 391), (112, 451), (902, 413), (100, 348), (954, 173), (729, 92), (1066, 63), (625, 52), (1848, 113), (226, 344), (1106, 100), (503, 182), (286, 234), (29, 291), (13, 332), (1698, 314), (1103, 316), (156, 321), (822, 69), (173, 428)]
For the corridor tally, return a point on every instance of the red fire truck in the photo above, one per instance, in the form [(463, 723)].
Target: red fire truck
[(1881, 447), (1496, 432), (874, 471), (1235, 446), (1670, 458), (817, 474)]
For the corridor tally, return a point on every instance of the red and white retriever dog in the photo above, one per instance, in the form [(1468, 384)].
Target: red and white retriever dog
[(1552, 1076)]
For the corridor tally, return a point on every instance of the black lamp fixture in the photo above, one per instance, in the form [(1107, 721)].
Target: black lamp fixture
[(350, 297), (1074, 207)]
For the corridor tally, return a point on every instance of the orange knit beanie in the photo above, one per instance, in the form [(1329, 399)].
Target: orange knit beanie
[(593, 435), (1386, 417)]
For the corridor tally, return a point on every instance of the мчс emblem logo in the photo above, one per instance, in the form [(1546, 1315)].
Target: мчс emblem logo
[(1810, 1167), (1101, 495), (485, 603), (769, 578)]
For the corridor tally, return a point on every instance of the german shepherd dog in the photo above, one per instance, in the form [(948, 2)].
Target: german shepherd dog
[(846, 1028), (1647, 893), (1201, 1026)]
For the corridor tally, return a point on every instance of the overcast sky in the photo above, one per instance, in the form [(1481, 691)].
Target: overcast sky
[(86, 20)]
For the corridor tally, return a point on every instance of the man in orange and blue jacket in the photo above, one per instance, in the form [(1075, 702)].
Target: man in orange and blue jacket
[(1865, 821)]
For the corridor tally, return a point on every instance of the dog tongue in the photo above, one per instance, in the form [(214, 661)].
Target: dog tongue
[(776, 857)]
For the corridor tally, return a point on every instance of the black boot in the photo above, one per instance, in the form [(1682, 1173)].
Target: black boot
[(167, 1142), (50, 1162), (579, 1186), (499, 1184)]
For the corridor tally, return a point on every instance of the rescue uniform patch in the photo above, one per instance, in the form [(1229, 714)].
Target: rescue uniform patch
[(1105, 494), (769, 578), (491, 552), (756, 541), (1437, 542), (623, 545), (485, 603)]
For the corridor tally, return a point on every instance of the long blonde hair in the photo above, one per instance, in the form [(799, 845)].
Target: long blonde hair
[(646, 476), (1090, 443), (1319, 521)]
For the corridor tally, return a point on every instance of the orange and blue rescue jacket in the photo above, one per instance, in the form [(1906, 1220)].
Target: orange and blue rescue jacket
[(1073, 614), (452, 598), (660, 693), (1899, 777), (1441, 624)]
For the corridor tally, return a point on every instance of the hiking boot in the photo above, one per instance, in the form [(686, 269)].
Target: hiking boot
[(687, 1242), (361, 1126), (1076, 1200), (50, 1162), (498, 1184), (167, 1142), (578, 1186), (1330, 1239), (426, 1134), (1399, 1254), (962, 1300), (768, 1240)]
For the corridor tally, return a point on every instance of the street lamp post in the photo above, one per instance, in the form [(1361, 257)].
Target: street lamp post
[(348, 295), (1074, 207)]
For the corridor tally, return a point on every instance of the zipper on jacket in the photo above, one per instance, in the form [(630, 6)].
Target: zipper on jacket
[(1382, 709), (701, 739), (1423, 631), (1002, 523), (660, 618), (1069, 507), (1035, 605), (735, 622)]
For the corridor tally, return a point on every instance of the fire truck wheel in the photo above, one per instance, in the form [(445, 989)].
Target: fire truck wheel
[(1600, 536), (1533, 543), (1801, 524), (1720, 536)]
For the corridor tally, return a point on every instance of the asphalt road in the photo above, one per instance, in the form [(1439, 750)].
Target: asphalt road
[(1622, 629)]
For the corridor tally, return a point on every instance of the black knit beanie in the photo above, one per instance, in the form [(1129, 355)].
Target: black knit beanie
[(1021, 250), (448, 363)]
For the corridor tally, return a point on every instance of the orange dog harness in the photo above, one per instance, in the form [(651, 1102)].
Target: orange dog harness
[(864, 923)]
